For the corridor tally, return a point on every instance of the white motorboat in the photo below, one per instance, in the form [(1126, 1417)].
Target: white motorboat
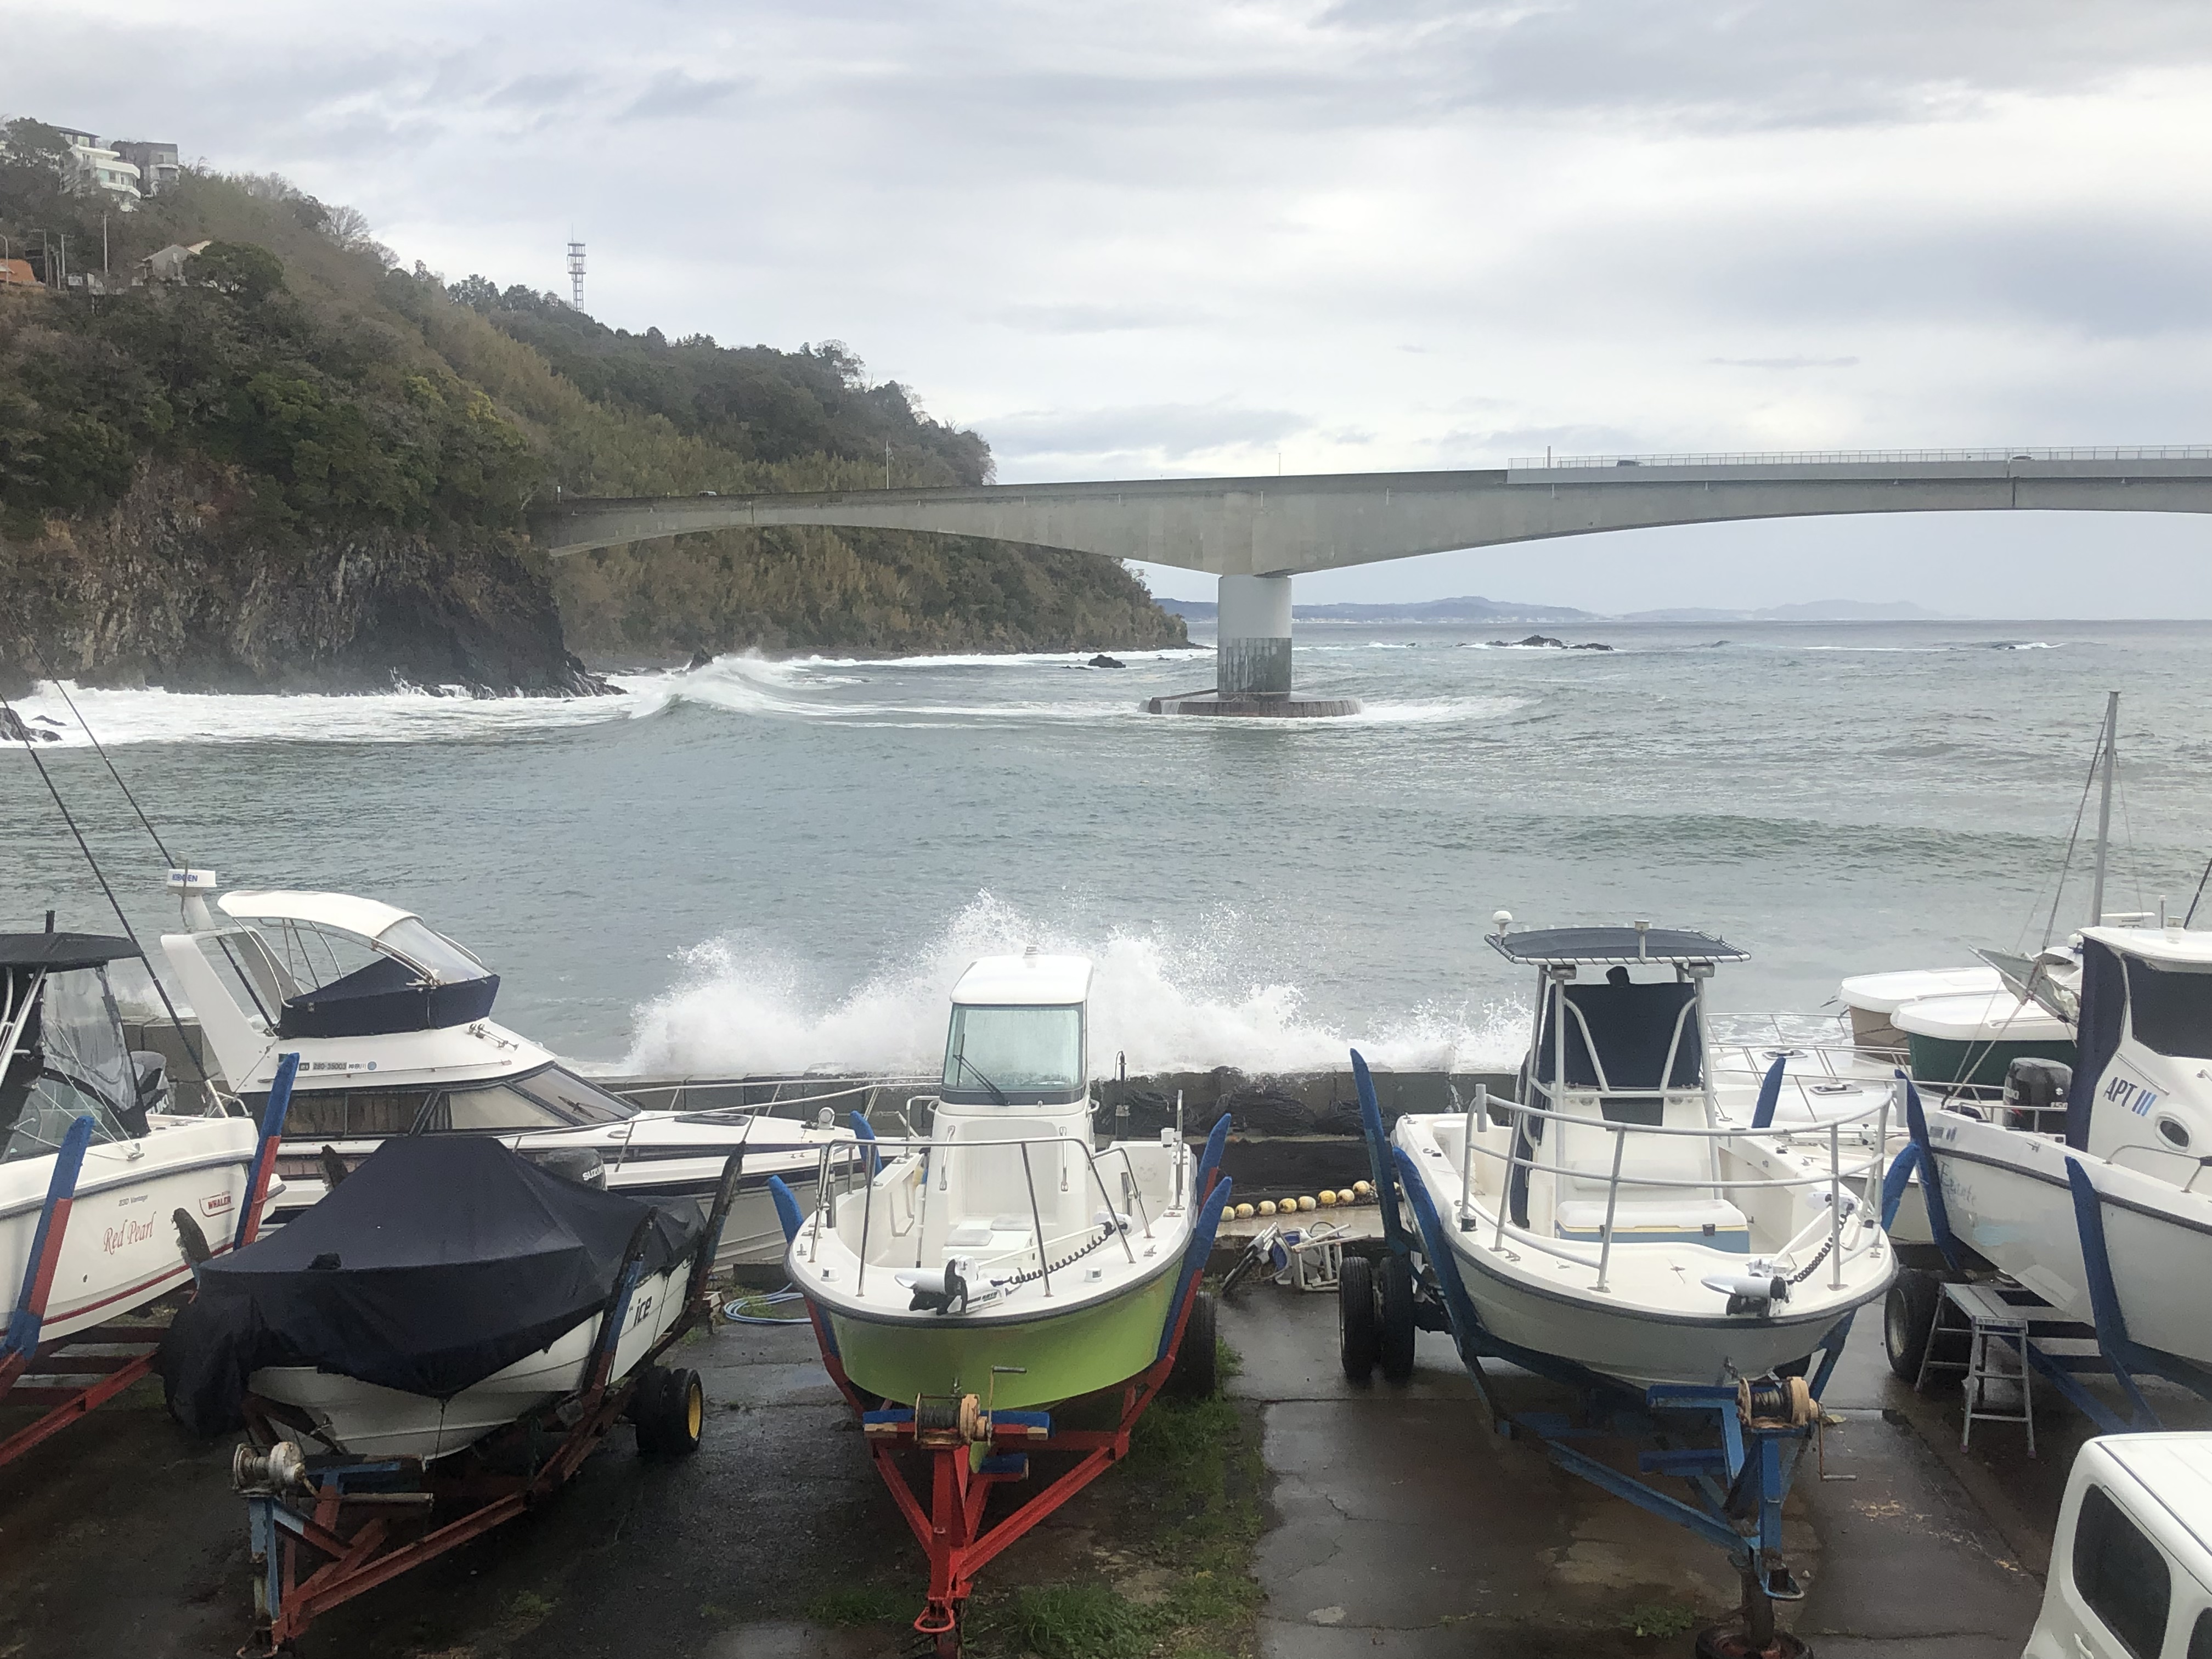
[(1624, 1218), (392, 1022), (1004, 1256), (1871, 1000), (2139, 1124), (62, 1058)]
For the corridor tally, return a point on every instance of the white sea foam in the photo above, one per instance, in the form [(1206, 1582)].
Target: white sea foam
[(1169, 1001), (124, 716)]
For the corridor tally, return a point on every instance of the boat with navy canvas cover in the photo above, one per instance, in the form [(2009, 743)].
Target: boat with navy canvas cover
[(391, 1022), (1621, 1216), (64, 1060), (446, 1289)]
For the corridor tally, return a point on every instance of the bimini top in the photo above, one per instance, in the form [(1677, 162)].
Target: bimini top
[(2187, 950), (1543, 947), (420, 980), (57, 953), (1030, 980)]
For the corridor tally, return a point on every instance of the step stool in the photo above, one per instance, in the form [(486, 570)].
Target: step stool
[(1994, 1328)]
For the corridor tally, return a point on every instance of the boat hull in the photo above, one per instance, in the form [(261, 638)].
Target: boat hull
[(370, 1421), (1052, 1355), (120, 1250), (2006, 1194), (1638, 1347)]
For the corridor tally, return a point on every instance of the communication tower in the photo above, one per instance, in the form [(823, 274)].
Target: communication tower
[(577, 272)]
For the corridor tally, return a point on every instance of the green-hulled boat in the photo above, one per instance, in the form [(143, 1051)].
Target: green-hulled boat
[(1004, 1256)]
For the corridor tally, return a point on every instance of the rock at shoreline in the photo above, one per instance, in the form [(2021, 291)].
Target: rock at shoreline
[(1102, 660), (14, 728), (1546, 642)]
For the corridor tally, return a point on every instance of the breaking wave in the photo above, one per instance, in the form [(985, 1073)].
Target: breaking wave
[(1170, 1002)]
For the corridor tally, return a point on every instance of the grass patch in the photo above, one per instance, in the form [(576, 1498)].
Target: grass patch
[(1080, 1621), (1661, 1619), (530, 1604), (860, 1604)]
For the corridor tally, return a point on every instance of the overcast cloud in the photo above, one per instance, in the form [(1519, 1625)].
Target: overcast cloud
[(1181, 237)]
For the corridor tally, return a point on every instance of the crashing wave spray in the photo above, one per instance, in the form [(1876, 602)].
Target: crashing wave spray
[(1169, 1004)]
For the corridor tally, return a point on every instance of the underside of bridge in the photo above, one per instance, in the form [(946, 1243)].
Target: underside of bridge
[(1257, 533)]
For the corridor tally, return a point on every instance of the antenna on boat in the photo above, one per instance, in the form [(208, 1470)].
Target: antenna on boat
[(2110, 747), (183, 1040)]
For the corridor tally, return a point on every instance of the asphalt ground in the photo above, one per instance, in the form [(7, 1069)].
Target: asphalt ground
[(1397, 1524)]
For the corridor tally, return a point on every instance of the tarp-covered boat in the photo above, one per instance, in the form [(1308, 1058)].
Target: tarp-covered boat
[(446, 1287)]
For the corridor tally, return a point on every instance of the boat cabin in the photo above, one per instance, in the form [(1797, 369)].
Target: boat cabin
[(1621, 1038), (1015, 1071), (331, 965), (2141, 1094), (63, 1055)]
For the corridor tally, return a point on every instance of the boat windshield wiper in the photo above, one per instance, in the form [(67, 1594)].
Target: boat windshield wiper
[(997, 1093)]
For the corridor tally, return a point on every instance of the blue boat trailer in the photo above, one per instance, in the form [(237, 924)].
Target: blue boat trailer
[(1736, 1487), (1908, 1325)]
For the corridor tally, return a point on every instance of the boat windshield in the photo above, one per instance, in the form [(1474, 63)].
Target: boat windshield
[(2170, 1012), (997, 1054), (68, 1062), (549, 1098)]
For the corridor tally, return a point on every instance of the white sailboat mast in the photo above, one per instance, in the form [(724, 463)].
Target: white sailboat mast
[(2104, 807)]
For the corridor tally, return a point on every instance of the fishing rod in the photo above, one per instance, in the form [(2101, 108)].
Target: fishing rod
[(184, 1039)]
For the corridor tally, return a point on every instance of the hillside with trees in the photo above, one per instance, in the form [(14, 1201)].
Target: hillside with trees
[(296, 464)]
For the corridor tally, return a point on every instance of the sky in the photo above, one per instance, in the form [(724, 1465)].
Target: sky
[(1180, 237)]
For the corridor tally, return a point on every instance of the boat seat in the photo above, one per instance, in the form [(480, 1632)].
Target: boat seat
[(1679, 1218)]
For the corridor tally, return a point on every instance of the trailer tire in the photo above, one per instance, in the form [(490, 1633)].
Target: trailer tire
[(1359, 1337), (672, 1417), (644, 1408), (1908, 1320), (1397, 1333), (1196, 1375)]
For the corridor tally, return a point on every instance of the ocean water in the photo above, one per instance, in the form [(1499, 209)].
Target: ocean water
[(765, 865)]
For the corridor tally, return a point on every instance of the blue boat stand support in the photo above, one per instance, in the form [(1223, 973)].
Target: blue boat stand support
[(1738, 1485)]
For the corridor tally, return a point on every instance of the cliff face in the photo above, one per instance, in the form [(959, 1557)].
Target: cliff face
[(174, 585), (294, 467), (852, 590)]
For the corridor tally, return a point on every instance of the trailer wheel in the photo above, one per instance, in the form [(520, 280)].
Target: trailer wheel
[(644, 1408), (1397, 1333), (1358, 1337), (1196, 1375), (1908, 1319), (671, 1417)]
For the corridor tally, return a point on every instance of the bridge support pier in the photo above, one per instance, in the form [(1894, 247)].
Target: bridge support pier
[(1252, 660)]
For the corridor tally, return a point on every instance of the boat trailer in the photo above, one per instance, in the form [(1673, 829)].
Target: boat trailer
[(1737, 1486), (74, 1374), (325, 1528), (972, 1450), (2044, 1338)]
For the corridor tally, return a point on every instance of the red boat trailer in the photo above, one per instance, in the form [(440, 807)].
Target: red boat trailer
[(973, 1451), (117, 1354), (366, 1518)]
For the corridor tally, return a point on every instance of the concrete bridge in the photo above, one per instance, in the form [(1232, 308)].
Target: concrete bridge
[(1257, 533)]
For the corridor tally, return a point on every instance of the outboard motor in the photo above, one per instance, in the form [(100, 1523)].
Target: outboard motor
[(2035, 1092)]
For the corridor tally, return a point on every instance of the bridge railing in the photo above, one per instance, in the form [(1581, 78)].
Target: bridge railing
[(1846, 457)]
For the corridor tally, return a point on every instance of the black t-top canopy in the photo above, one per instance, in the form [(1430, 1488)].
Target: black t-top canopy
[(59, 953), (1541, 946)]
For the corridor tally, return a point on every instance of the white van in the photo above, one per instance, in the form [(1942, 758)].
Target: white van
[(2131, 1565)]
